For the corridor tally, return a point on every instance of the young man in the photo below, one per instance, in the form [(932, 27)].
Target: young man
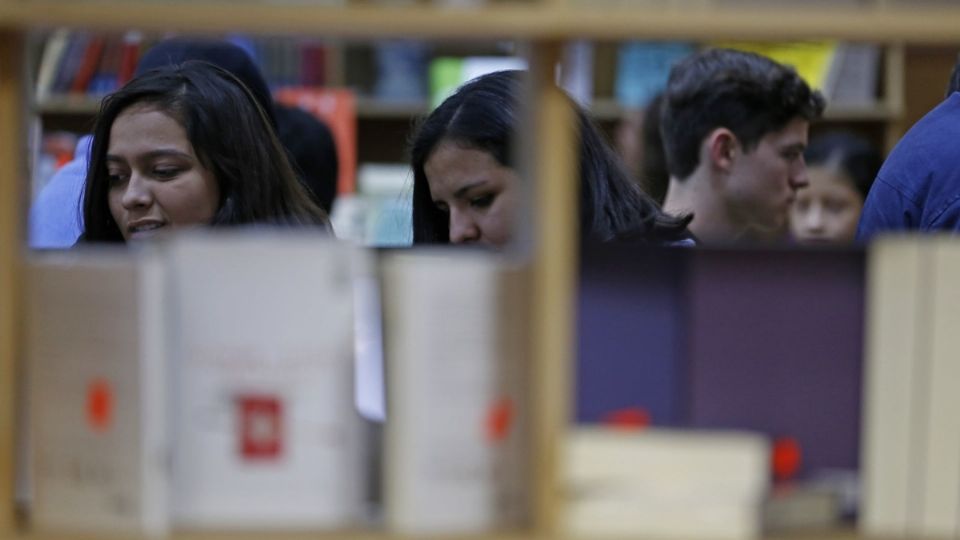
[(734, 128)]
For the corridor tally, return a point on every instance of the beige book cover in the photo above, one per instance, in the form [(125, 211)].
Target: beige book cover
[(454, 460), (898, 307), (95, 343), (267, 433), (662, 483)]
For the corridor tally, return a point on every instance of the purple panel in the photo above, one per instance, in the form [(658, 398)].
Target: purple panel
[(629, 329), (775, 345)]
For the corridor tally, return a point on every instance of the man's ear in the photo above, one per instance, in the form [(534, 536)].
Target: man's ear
[(722, 148)]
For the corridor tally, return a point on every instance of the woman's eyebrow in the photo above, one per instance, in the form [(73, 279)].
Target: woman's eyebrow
[(464, 189), (162, 152)]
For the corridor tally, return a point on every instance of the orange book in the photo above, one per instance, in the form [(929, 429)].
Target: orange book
[(337, 107)]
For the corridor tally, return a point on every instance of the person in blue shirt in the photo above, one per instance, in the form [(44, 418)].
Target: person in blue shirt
[(918, 186)]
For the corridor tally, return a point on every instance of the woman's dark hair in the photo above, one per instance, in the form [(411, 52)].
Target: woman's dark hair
[(483, 114), (854, 156), (231, 135)]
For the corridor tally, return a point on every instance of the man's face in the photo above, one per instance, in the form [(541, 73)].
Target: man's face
[(763, 182)]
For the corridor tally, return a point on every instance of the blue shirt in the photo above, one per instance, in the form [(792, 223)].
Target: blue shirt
[(918, 186), (55, 219)]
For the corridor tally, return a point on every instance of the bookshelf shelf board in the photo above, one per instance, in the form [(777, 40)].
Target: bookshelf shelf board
[(867, 113), (373, 108), (401, 110), (916, 24), (606, 109), (80, 105), (366, 107), (843, 534)]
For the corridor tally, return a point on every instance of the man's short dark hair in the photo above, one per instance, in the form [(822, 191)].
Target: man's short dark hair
[(749, 94)]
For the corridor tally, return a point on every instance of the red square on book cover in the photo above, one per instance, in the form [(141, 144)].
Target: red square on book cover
[(261, 427)]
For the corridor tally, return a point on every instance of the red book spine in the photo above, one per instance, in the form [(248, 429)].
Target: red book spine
[(129, 56), (88, 67)]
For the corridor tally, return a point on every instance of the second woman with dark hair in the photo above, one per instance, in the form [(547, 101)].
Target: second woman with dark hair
[(187, 145), (466, 188)]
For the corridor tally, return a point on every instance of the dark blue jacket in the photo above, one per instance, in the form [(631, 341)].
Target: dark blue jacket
[(918, 186)]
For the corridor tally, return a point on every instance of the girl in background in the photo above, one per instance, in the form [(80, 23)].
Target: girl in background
[(840, 167)]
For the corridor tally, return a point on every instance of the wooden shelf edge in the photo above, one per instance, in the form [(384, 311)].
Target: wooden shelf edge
[(367, 107), (606, 109), (920, 24), (374, 108)]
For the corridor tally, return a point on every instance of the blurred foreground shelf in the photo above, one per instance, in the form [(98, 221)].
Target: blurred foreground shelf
[(843, 534), (528, 20)]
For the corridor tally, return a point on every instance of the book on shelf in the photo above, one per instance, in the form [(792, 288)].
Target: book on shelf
[(661, 483), (448, 73), (92, 56), (378, 214), (643, 68), (853, 75), (941, 453), (203, 382), (86, 64), (266, 432), (70, 62), (899, 309), (811, 59), (96, 350), (54, 49), (130, 51), (846, 73), (912, 456), (454, 450), (801, 507), (337, 108)]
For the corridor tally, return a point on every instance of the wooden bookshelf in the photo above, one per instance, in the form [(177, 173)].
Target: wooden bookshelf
[(505, 20), (11, 227), (553, 239), (840, 534)]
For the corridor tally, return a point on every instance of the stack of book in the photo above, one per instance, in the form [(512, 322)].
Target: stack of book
[(204, 382), (664, 484), (911, 458)]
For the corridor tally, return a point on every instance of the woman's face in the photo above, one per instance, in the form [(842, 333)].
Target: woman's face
[(156, 180), (827, 210), (478, 194)]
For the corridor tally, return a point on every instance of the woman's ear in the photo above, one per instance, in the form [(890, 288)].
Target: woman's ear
[(722, 148)]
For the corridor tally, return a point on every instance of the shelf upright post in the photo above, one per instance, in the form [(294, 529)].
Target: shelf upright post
[(555, 241), (895, 94), (12, 182)]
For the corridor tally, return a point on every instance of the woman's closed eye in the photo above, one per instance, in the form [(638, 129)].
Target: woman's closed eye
[(166, 172), (483, 201), (116, 178)]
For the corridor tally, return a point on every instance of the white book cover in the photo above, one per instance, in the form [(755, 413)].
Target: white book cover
[(897, 311), (664, 483), (451, 422), (94, 337), (267, 434), (940, 460)]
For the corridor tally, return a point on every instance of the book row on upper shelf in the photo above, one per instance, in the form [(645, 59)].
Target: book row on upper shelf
[(83, 66)]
